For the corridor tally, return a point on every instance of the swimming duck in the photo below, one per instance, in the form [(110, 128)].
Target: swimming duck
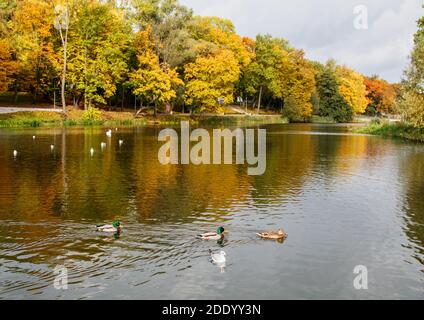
[(115, 227), (275, 235), (218, 258), (218, 235)]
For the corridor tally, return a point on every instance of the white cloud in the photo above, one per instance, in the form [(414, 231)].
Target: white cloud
[(324, 28)]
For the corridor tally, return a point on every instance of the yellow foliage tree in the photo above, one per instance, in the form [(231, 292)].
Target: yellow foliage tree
[(297, 85), (211, 77), (153, 82), (33, 41), (7, 66), (221, 33), (352, 89)]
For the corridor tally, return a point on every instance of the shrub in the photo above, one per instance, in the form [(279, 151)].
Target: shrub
[(411, 107), (92, 115)]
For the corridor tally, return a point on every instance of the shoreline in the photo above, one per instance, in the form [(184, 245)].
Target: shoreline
[(54, 119), (393, 130)]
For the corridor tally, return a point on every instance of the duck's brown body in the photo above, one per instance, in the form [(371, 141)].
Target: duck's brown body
[(275, 235)]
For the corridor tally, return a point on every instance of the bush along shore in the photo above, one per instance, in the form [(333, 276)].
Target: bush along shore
[(95, 117), (399, 129)]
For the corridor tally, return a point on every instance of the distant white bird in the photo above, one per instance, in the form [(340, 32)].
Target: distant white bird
[(15, 153), (116, 129), (91, 151), (51, 147), (121, 142), (103, 145), (109, 133), (33, 137), (219, 257)]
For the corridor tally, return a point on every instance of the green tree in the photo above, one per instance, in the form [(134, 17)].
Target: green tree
[(263, 73), (411, 102), (331, 102), (98, 51)]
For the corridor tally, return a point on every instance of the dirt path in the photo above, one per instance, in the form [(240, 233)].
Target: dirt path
[(4, 110)]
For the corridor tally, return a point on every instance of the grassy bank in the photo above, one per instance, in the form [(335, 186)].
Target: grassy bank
[(75, 118), (54, 119), (399, 130)]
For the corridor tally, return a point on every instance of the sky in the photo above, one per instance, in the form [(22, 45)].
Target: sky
[(326, 28)]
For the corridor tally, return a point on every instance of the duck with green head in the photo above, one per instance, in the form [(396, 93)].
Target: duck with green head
[(115, 227), (218, 235)]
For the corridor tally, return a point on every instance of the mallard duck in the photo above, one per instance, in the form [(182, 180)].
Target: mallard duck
[(276, 235), (218, 235), (218, 258), (115, 227)]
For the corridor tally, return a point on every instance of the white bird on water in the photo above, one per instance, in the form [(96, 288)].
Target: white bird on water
[(33, 137), (121, 142), (103, 145), (91, 151), (15, 153), (109, 133), (219, 259), (51, 147)]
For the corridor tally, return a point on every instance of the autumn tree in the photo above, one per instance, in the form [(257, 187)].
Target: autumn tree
[(153, 82), (33, 42), (381, 96), (98, 51), (297, 85), (7, 65), (211, 77), (352, 88)]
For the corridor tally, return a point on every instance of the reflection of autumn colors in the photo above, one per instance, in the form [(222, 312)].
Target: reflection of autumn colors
[(129, 180), (51, 200)]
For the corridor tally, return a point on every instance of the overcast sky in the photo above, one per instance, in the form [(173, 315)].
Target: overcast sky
[(325, 28)]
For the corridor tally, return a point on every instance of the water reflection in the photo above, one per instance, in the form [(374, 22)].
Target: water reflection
[(343, 199)]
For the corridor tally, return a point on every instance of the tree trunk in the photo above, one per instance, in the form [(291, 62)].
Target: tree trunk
[(15, 95), (123, 97), (259, 99), (65, 46), (85, 74)]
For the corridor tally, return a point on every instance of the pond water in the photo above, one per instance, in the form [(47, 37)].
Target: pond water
[(344, 200)]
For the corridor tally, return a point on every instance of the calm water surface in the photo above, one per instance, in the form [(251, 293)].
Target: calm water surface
[(344, 200)]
